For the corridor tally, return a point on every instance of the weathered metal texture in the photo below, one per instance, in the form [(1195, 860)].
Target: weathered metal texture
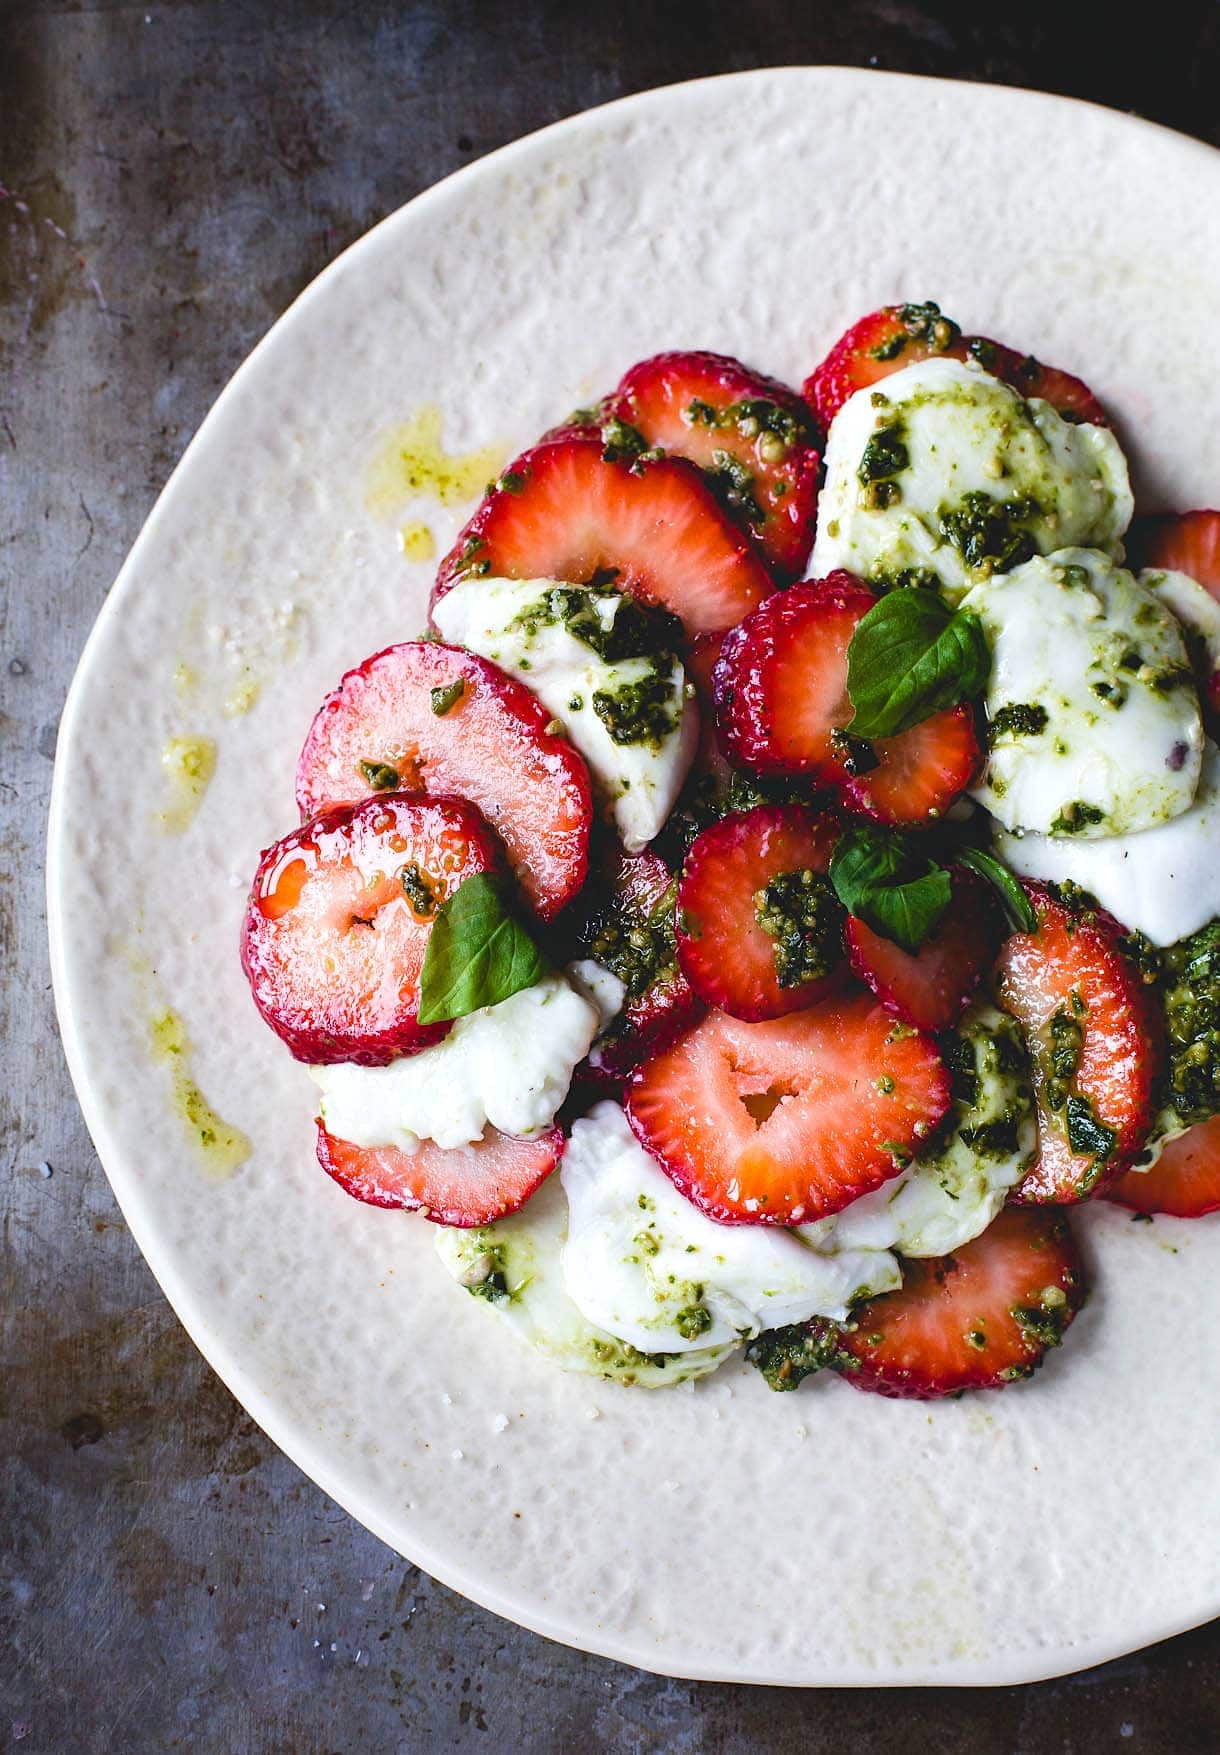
[(169, 179)]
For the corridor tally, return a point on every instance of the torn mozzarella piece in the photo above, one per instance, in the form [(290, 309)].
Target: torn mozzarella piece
[(600, 663)]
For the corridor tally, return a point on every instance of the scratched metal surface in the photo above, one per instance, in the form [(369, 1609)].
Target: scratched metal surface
[(170, 177)]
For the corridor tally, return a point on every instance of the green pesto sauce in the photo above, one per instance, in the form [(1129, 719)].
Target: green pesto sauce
[(801, 913), (1017, 719), (644, 710), (638, 630), (221, 1146), (989, 534), (787, 1356), (1190, 997), (1075, 817), (638, 948)]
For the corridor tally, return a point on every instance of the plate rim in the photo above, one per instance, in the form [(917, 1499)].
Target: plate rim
[(519, 1608)]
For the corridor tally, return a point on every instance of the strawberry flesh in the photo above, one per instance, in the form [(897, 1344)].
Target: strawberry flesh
[(782, 707), (1096, 1044), (424, 717), (760, 930), (750, 435), (451, 1185), (339, 918), (653, 525), (980, 1318), (931, 988), (786, 1121), (1184, 1181)]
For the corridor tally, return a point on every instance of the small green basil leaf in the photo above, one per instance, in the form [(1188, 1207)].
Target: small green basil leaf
[(912, 656), (1016, 903), (888, 884), (478, 953)]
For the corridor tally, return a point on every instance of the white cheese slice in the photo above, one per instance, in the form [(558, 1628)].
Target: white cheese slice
[(515, 1267), (963, 434), (948, 1196), (646, 1265), (1163, 882), (1196, 609), (508, 1066), (512, 622), (1094, 717)]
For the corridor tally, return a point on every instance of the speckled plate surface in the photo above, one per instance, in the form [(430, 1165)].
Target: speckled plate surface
[(715, 1530)]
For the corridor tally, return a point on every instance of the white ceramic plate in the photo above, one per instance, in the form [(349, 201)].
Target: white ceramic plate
[(716, 1531)]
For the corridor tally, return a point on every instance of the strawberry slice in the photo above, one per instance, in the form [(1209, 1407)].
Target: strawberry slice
[(454, 1185), (783, 1122), (883, 342), (1184, 1181), (931, 988), (423, 717), (338, 922), (567, 511), (920, 772), (1096, 1042), (631, 933), (748, 433), (782, 708), (760, 929), (1185, 542), (980, 1318), (897, 336)]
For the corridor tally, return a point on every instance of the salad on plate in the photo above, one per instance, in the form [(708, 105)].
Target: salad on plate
[(782, 879)]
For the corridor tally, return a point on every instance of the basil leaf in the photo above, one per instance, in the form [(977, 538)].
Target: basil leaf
[(911, 656), (478, 953), (1016, 903), (890, 885)]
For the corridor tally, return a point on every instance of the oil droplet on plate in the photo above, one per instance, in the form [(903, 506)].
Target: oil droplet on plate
[(221, 1146), (188, 764), (417, 542), (411, 463)]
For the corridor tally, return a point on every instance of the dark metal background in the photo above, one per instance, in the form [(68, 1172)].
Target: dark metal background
[(170, 177)]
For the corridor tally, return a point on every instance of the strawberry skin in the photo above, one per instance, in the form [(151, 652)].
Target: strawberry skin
[(1096, 1042), (753, 871), (424, 717), (931, 988), (782, 707), (980, 1318), (566, 510), (748, 433), (1185, 542), (454, 1185), (786, 1121), (1184, 1181), (339, 918)]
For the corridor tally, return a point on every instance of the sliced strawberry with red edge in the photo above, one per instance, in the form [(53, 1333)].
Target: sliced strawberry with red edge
[(980, 1318), (424, 717), (760, 929), (1184, 1181), (451, 1185), (751, 435), (566, 511), (338, 922), (898, 336), (631, 931), (918, 773), (931, 988), (782, 707), (786, 1121), (1096, 1042)]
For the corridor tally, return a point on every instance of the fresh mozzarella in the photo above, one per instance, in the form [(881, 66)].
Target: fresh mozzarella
[(527, 627), (1196, 609), (644, 1264), (953, 1192), (508, 1066), (600, 985), (1163, 882), (1095, 724), (515, 1267), (939, 469)]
